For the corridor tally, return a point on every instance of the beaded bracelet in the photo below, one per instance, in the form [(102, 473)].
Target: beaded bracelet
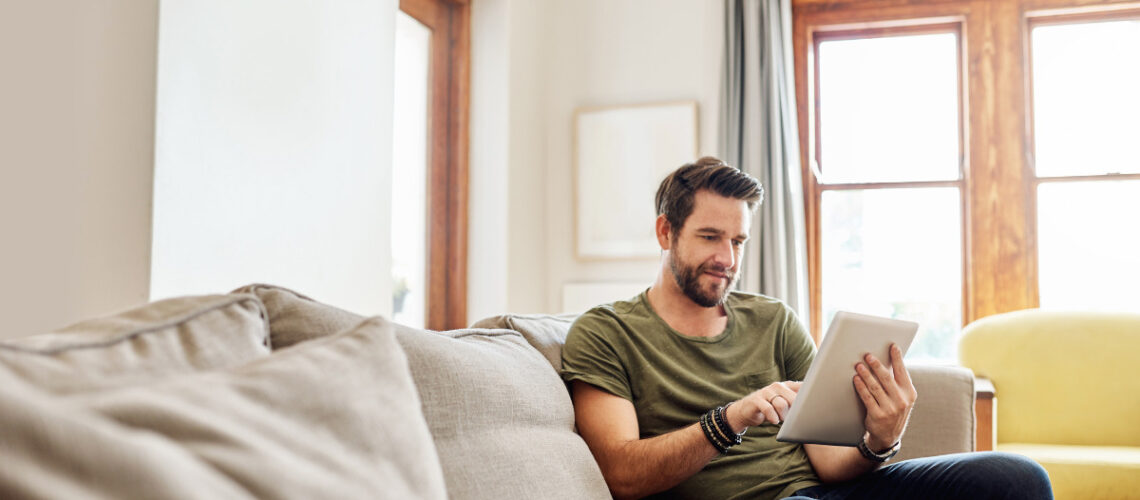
[(722, 426), (710, 434)]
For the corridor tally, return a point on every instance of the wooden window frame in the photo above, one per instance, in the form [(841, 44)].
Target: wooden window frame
[(449, 104), (998, 183), (818, 187)]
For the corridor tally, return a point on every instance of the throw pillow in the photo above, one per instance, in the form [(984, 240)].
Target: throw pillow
[(295, 318), (334, 418), (546, 332), (144, 344), (502, 420)]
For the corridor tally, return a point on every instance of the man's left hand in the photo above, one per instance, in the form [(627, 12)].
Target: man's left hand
[(889, 397)]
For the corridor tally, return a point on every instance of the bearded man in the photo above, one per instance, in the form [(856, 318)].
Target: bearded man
[(679, 392)]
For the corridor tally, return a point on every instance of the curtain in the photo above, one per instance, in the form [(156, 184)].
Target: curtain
[(759, 135)]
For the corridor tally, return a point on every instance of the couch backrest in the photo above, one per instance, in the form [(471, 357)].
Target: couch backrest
[(1060, 377), (545, 332), (500, 417)]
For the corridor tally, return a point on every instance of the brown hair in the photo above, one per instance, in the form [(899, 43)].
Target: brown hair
[(675, 195)]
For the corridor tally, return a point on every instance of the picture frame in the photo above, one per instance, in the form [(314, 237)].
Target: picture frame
[(621, 154)]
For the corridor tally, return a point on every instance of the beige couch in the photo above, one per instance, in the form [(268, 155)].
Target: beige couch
[(264, 393)]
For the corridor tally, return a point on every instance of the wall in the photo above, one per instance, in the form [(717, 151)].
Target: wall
[(562, 55), (272, 149), (507, 245), (76, 149), (612, 53)]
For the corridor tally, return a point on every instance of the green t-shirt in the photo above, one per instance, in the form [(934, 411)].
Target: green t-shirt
[(626, 349)]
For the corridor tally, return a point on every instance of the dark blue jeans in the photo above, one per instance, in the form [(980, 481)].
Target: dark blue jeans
[(986, 475)]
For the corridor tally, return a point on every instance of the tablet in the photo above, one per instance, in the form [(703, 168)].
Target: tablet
[(827, 409)]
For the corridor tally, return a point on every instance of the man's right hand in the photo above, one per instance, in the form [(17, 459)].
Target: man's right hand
[(769, 404)]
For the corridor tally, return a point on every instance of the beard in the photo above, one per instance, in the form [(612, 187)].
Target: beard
[(689, 279)]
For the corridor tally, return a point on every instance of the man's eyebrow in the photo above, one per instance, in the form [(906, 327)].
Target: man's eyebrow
[(712, 230)]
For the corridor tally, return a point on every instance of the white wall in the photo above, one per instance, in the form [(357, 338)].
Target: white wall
[(562, 55), (610, 52), (76, 150), (507, 244), (273, 148)]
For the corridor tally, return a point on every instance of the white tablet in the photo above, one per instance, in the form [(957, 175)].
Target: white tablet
[(827, 410)]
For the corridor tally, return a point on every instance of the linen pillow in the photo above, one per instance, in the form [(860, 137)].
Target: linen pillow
[(502, 420), (545, 332), (334, 418), (141, 345), (295, 318)]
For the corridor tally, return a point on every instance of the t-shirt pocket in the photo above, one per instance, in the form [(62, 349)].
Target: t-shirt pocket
[(756, 381)]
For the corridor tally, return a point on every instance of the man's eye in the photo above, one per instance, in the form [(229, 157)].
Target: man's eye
[(709, 238), (737, 243)]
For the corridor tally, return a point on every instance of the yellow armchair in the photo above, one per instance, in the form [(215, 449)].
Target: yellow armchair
[(1067, 387)]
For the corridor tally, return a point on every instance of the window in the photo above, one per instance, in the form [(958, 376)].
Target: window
[(1086, 122), (429, 189), (964, 158), (889, 180)]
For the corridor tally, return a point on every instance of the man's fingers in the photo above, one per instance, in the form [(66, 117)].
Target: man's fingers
[(870, 380), (781, 405), (782, 390), (865, 393), (902, 376), (884, 377), (770, 414)]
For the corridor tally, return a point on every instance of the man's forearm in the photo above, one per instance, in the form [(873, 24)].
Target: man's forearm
[(835, 464), (645, 466)]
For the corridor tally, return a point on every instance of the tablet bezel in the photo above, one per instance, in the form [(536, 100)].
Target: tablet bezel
[(827, 410)]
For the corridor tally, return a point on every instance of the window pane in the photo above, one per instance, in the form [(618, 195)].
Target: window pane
[(409, 171), (1086, 108), (889, 109), (896, 253), (1088, 245)]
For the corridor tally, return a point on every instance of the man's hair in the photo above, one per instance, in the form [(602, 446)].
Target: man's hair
[(677, 190)]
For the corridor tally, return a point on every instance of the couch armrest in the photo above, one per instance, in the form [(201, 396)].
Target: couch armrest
[(943, 417), (985, 411)]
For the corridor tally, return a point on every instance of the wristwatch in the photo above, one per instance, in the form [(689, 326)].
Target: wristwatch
[(878, 457)]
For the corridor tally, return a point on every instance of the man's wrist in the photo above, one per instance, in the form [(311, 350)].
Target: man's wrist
[(873, 453), (877, 445), (735, 419)]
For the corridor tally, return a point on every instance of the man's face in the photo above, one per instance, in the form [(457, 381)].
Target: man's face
[(705, 254)]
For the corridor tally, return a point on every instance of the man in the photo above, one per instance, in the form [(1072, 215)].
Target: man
[(651, 376)]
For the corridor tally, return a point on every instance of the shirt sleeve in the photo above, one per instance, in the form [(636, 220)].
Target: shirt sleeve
[(591, 356), (799, 348)]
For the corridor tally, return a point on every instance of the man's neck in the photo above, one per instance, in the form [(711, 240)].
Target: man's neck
[(681, 313)]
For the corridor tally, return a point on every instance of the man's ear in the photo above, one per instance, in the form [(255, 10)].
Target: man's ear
[(663, 232)]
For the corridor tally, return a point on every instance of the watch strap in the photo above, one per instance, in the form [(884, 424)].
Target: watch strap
[(888, 454)]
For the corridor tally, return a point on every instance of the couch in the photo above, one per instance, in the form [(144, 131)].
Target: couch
[(266, 393), (1067, 386)]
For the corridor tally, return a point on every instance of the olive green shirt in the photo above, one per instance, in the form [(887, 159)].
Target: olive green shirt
[(626, 349)]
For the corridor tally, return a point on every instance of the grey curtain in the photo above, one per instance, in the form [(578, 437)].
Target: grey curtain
[(759, 135)]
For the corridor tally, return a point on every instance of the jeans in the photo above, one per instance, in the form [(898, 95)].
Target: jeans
[(993, 475)]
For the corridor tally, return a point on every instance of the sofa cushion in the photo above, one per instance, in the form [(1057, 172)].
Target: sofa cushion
[(334, 418), (943, 417), (295, 318), (144, 344), (1079, 472), (502, 420), (544, 332)]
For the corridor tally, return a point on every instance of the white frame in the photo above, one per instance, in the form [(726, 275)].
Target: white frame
[(621, 154)]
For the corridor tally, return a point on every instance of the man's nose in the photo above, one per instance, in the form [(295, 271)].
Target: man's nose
[(726, 254)]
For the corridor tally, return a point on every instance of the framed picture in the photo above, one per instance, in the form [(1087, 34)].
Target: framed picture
[(621, 154)]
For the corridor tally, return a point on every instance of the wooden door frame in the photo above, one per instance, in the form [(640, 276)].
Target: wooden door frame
[(447, 188)]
